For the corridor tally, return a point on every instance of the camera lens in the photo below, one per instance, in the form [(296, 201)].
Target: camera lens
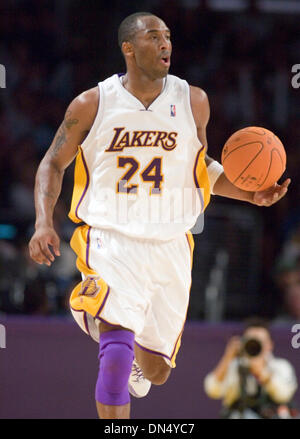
[(252, 347)]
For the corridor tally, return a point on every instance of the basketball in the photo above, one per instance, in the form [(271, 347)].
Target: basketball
[(253, 159)]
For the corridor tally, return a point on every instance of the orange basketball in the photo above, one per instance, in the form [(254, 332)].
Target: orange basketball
[(253, 159)]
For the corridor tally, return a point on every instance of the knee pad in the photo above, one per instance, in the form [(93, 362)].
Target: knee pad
[(116, 357)]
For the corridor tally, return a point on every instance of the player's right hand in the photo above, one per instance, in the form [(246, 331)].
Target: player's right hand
[(39, 245)]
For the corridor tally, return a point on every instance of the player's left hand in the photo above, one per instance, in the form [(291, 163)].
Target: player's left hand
[(272, 194)]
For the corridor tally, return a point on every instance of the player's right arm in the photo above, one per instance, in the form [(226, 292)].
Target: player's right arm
[(77, 122)]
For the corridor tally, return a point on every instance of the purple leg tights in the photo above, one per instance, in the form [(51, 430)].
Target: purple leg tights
[(116, 356)]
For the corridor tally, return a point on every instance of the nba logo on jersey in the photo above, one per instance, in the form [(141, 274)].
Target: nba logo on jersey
[(173, 110)]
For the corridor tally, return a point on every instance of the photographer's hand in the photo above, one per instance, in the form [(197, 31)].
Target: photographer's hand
[(258, 367), (232, 350)]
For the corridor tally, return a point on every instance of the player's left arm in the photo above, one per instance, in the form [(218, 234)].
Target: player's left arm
[(222, 186)]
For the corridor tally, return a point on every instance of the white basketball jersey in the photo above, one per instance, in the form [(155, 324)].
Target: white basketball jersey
[(138, 170)]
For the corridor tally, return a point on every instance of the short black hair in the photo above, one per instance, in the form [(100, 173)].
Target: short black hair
[(127, 28), (256, 322)]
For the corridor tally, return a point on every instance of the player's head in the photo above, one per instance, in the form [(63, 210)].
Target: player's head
[(145, 43)]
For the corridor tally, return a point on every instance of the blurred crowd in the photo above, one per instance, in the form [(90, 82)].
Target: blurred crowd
[(54, 50)]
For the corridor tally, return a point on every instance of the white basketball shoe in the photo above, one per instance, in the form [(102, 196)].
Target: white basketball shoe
[(138, 385)]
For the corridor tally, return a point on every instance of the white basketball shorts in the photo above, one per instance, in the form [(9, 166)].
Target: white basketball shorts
[(139, 284)]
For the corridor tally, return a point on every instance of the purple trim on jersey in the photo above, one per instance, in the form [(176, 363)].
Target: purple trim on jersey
[(196, 181), (86, 186), (152, 352), (88, 248)]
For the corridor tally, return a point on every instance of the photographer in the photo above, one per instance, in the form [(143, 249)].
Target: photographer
[(250, 380)]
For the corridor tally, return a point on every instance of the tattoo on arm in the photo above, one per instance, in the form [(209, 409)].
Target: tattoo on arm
[(47, 190), (61, 135), (48, 194), (68, 121), (60, 140)]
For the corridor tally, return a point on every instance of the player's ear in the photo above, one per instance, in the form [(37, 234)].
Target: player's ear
[(127, 48)]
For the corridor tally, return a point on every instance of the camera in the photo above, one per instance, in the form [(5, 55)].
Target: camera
[(251, 347)]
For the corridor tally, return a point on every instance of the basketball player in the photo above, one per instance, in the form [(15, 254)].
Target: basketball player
[(139, 135)]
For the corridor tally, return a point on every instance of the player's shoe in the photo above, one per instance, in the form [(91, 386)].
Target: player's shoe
[(138, 385)]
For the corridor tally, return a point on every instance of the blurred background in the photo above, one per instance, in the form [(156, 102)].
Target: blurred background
[(241, 52)]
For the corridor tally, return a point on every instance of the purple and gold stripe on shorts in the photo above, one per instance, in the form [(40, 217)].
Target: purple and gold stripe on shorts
[(178, 340), (84, 318), (172, 358), (177, 346), (91, 294), (191, 244), (81, 184), (190, 240), (152, 352), (106, 321), (103, 303), (88, 243), (81, 244), (85, 313)]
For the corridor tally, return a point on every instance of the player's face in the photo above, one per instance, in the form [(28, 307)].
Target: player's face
[(152, 47)]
